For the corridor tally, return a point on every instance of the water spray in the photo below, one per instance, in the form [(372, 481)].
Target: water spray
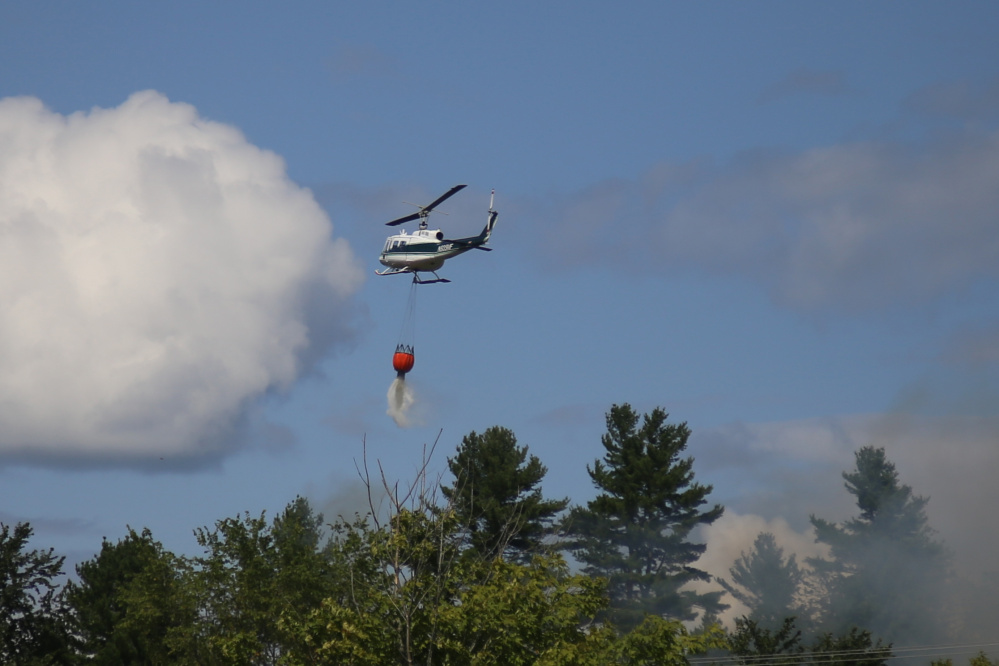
[(400, 394)]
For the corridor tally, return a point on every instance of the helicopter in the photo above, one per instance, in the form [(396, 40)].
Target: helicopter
[(425, 250)]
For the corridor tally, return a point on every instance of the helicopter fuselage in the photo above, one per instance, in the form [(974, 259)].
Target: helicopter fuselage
[(423, 250), (426, 250)]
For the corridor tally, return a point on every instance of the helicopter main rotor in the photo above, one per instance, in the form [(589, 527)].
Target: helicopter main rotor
[(424, 211)]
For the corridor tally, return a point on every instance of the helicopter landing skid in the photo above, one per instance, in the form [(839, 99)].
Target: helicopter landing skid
[(417, 280)]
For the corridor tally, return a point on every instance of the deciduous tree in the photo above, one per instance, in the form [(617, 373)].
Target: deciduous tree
[(253, 574), (408, 596), (33, 620), (124, 601)]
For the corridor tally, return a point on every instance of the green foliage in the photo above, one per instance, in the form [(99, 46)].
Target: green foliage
[(660, 642), (753, 643), (384, 609), (496, 494), (401, 588), (125, 602), (33, 621), (251, 575), (853, 648), (782, 646), (886, 571), (636, 531), (413, 599), (507, 613), (982, 659), (766, 582)]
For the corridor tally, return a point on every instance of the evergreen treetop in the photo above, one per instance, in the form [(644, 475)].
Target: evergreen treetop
[(766, 582), (497, 496), (886, 571), (635, 532)]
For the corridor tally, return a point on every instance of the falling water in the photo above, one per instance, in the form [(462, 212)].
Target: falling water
[(400, 399)]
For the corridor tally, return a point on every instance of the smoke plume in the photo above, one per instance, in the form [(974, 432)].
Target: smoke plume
[(160, 274), (400, 400), (778, 474)]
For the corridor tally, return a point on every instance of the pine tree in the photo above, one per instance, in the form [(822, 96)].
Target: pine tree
[(886, 572), (496, 494), (635, 532), (766, 582)]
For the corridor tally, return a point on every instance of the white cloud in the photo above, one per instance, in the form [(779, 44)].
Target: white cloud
[(159, 273), (856, 227)]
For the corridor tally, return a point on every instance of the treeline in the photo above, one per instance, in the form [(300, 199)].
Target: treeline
[(476, 571)]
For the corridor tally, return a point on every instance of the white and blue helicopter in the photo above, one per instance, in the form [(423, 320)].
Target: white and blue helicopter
[(425, 250)]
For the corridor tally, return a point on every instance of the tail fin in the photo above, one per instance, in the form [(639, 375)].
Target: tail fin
[(490, 220)]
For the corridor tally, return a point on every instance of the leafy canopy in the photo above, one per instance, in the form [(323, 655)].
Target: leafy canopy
[(33, 621)]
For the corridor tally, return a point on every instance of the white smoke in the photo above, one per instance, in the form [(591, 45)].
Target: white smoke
[(778, 474), (400, 399), (732, 535), (159, 274)]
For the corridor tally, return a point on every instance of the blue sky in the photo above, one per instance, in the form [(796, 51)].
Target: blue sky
[(775, 220)]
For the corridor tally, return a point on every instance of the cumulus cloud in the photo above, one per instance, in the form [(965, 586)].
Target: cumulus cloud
[(853, 228), (160, 274)]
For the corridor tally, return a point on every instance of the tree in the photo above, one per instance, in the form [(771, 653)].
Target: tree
[(408, 596), (33, 620), (124, 602), (251, 575), (496, 494), (766, 582), (636, 531), (886, 571), (774, 646), (852, 648), (659, 642), (979, 659), (756, 644)]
